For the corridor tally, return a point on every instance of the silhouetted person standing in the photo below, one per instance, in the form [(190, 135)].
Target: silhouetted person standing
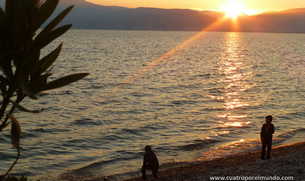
[(266, 137), (150, 162)]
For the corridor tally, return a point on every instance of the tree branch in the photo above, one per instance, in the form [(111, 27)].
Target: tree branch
[(17, 158)]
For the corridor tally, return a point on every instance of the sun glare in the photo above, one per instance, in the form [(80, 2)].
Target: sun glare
[(234, 8)]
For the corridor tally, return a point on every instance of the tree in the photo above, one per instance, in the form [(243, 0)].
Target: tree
[(23, 73)]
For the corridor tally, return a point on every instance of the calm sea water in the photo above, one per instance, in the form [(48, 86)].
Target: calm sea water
[(199, 100)]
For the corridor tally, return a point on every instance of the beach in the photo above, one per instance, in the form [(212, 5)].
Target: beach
[(286, 163)]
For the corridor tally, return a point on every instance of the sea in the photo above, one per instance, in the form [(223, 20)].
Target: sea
[(192, 96)]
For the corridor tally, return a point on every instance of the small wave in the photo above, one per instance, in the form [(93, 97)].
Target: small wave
[(96, 170), (67, 92), (198, 144), (93, 166), (141, 95), (131, 131), (86, 122), (5, 138), (84, 172), (293, 136), (39, 131), (183, 102), (204, 75)]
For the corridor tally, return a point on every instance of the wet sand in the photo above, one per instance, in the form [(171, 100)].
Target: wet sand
[(287, 162)]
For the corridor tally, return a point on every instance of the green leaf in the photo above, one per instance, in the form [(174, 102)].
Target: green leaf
[(55, 22), (65, 81), (15, 131), (27, 90), (15, 23), (29, 6), (30, 61), (38, 83), (47, 61), (10, 10), (45, 11), (43, 41)]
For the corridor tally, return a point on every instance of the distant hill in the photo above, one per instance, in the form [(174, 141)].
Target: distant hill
[(87, 15), (292, 20), (90, 16)]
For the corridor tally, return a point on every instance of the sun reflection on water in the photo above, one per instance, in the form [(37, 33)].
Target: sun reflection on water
[(233, 84)]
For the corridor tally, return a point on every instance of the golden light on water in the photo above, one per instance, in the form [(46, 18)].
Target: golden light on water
[(232, 67), (232, 62), (234, 124), (232, 117), (164, 57)]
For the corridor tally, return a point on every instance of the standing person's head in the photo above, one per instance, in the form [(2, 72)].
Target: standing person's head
[(147, 148), (268, 119)]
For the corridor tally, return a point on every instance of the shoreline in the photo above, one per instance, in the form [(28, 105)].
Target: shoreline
[(287, 161)]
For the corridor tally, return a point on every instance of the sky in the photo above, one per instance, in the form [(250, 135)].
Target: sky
[(257, 6)]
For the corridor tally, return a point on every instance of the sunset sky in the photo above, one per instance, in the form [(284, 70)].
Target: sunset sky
[(254, 6)]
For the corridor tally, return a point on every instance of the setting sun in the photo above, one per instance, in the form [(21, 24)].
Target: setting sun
[(234, 8)]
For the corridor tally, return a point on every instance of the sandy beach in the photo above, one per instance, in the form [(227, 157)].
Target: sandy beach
[(287, 163)]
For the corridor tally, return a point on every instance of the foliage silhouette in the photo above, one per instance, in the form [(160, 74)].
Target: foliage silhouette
[(23, 73)]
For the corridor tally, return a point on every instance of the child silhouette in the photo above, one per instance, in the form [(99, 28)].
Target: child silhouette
[(266, 137)]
